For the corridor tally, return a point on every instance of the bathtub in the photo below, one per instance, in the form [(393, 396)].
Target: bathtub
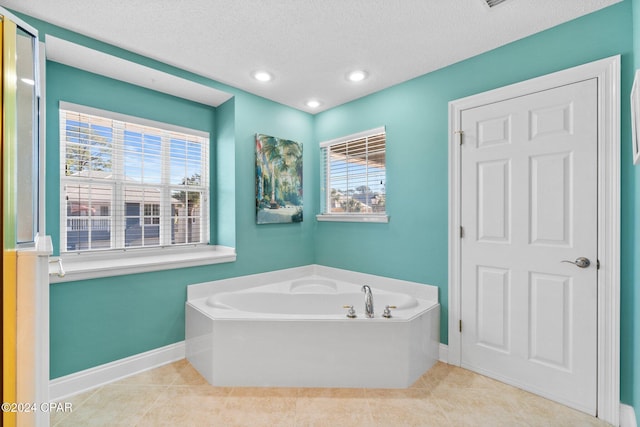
[(288, 328)]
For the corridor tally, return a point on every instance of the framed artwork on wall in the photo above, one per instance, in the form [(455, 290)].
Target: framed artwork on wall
[(635, 118), (278, 180)]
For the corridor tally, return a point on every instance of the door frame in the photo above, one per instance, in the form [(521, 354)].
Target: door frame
[(607, 73)]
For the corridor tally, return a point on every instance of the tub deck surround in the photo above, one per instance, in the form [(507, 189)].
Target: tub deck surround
[(418, 290), (288, 328)]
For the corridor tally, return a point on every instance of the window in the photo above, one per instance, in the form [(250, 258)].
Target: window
[(130, 183), (354, 177)]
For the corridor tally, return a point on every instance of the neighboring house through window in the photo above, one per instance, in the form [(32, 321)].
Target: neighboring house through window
[(354, 177), (128, 182)]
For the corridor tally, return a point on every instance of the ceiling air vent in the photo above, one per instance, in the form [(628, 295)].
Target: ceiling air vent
[(492, 3)]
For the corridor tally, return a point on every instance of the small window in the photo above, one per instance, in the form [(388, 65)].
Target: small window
[(152, 213), (354, 177), (130, 183)]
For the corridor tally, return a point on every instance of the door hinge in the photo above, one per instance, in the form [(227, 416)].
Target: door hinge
[(461, 232), (597, 264), (461, 133), (460, 325)]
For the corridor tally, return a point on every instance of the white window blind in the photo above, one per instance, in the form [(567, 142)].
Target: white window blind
[(354, 174), (128, 182)]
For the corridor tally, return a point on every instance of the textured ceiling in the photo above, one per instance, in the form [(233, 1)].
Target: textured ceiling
[(308, 45)]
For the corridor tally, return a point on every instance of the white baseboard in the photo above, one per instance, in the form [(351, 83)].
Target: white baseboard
[(443, 353), (627, 416), (88, 379)]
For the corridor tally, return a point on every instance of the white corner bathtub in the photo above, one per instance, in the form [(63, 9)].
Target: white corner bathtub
[(288, 328)]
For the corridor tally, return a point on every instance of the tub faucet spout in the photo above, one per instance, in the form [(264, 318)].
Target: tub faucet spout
[(368, 301)]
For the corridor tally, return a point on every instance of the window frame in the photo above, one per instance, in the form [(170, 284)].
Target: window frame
[(119, 185), (326, 215), (87, 264)]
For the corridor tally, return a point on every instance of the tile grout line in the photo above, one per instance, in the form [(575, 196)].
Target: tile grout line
[(151, 405), (369, 410), (77, 406), (165, 391)]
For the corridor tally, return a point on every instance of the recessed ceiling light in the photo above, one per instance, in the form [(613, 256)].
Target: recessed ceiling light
[(262, 76), (313, 103), (28, 81), (357, 75)]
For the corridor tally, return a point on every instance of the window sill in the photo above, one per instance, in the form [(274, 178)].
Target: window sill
[(379, 218), (81, 266)]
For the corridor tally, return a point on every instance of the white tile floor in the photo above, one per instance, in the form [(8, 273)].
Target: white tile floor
[(176, 395)]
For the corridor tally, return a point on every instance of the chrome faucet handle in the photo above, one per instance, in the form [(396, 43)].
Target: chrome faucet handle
[(351, 314), (368, 301), (387, 311)]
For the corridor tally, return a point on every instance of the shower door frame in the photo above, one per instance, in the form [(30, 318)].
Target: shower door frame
[(19, 379)]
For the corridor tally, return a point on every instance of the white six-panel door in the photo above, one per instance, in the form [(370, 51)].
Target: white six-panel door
[(528, 203)]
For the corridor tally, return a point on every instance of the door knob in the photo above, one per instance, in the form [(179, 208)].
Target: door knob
[(581, 262)]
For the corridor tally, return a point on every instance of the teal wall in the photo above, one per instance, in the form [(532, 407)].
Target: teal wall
[(98, 321), (413, 245), (223, 212), (636, 32)]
